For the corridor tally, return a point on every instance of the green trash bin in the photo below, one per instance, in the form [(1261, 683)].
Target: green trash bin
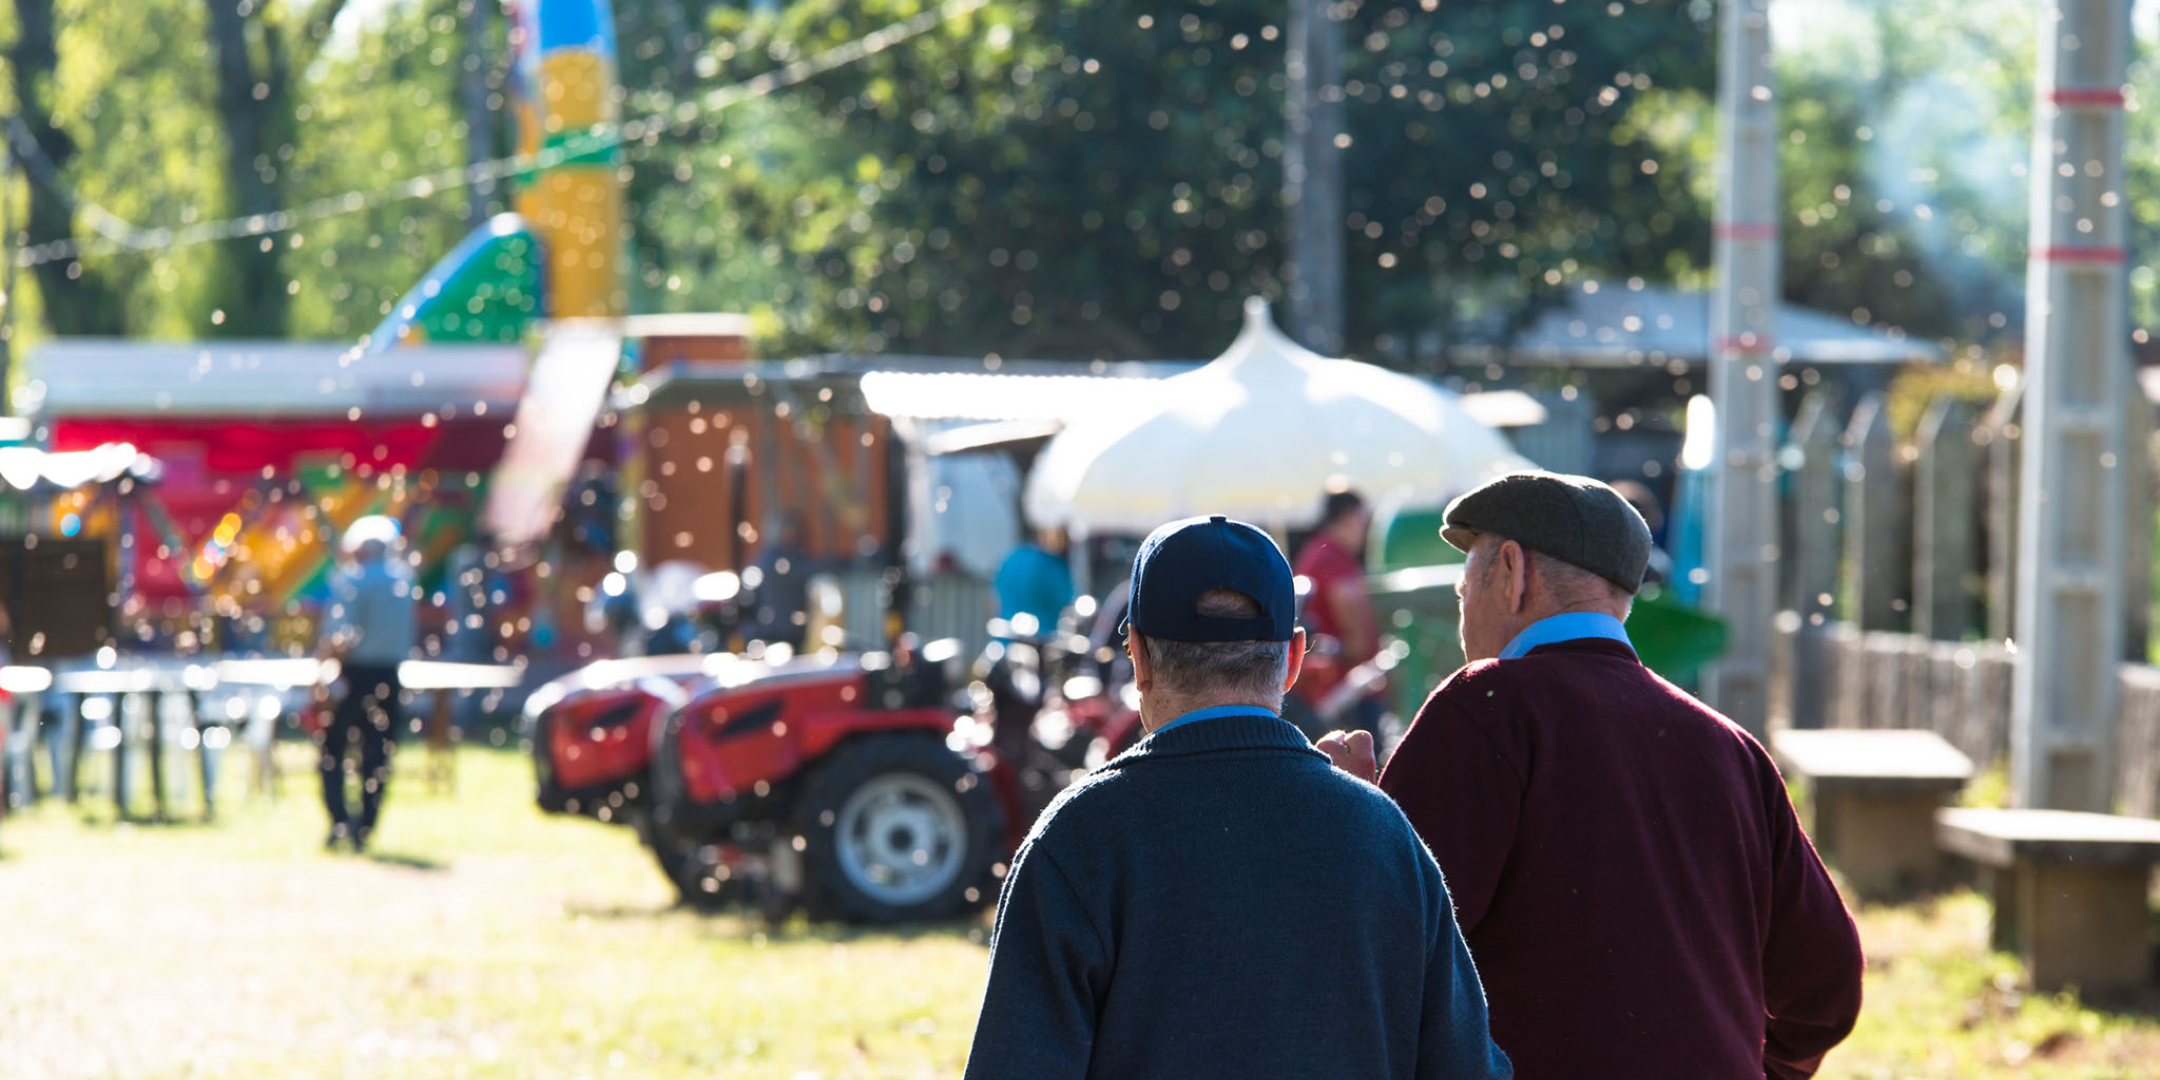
[(1412, 574)]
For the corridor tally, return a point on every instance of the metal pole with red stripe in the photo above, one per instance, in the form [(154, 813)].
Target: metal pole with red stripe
[(1742, 553), (2071, 518)]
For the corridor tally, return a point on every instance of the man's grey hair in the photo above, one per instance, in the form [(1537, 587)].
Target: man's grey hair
[(1245, 669), (1573, 585)]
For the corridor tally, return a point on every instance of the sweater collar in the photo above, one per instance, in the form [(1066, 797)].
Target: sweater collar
[(1215, 713), (1567, 626), (1241, 731), (1594, 646)]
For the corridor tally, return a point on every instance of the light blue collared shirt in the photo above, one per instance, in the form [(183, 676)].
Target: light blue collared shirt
[(1217, 711), (1568, 626)]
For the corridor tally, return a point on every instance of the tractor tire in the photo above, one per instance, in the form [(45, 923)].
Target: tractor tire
[(898, 828)]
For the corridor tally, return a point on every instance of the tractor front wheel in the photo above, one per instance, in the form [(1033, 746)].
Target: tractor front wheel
[(899, 828)]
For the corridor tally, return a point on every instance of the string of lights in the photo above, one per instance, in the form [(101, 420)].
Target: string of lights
[(112, 234)]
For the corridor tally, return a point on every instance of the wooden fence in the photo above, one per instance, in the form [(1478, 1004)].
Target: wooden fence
[(1959, 690), (1900, 585)]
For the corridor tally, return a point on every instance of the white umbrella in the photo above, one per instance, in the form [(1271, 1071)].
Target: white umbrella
[(1261, 433)]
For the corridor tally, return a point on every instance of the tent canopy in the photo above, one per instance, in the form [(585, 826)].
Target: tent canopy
[(1262, 433)]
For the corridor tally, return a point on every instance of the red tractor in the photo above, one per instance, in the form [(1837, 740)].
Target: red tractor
[(849, 785), (863, 786), (591, 732)]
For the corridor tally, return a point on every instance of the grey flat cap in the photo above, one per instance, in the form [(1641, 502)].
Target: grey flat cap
[(1574, 519)]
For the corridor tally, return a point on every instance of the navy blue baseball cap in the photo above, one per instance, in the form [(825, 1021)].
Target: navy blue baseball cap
[(1184, 559)]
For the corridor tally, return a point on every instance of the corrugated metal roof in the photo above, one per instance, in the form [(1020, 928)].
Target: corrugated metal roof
[(1606, 325)]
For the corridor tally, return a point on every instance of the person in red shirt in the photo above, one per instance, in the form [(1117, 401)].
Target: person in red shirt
[(1638, 895), (1339, 607)]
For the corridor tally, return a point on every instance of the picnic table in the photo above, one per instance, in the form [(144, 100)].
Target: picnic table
[(1872, 797), (2071, 890), (439, 676), (146, 685)]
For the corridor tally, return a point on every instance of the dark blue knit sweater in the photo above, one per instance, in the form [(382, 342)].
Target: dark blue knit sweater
[(1221, 902)]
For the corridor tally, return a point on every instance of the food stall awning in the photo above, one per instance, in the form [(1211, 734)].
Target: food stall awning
[(972, 396), (118, 377)]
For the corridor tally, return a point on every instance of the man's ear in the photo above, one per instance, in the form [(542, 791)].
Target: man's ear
[(1143, 666), (1515, 565), (1296, 666)]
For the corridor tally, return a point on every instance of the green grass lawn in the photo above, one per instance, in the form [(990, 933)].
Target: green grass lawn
[(484, 940), (488, 940)]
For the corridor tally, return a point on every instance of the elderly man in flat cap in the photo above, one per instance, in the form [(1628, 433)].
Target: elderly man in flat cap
[(1636, 891)]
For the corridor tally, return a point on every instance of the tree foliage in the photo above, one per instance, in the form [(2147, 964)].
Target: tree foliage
[(1105, 179), (1050, 178)]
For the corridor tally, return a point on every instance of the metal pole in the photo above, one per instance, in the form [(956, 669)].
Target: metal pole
[(1312, 175), (1742, 553), (2071, 532), (479, 119)]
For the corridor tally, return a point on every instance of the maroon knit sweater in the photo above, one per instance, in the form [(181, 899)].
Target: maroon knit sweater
[(1626, 866)]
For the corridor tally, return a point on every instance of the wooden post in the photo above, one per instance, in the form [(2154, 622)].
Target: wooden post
[(1814, 579), (1313, 175), (1875, 505), (1815, 512), (1742, 553), (1944, 486), (2138, 519), (2004, 436), (2071, 528)]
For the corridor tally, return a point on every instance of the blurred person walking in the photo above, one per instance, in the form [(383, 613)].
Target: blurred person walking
[(1631, 877), (369, 628), (779, 583), (1340, 608), (1158, 920)]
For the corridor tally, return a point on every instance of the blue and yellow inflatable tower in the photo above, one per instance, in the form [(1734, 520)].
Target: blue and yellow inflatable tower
[(559, 256)]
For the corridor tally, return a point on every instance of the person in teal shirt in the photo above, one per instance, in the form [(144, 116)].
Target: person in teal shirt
[(1033, 585)]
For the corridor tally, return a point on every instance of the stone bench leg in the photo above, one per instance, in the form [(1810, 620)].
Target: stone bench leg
[(2003, 920), (2083, 925), (1883, 844)]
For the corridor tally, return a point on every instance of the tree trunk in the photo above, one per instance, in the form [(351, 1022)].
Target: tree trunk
[(76, 301), (254, 300), (1313, 176)]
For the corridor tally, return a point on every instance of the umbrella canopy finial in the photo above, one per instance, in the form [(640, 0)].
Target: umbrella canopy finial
[(1261, 342)]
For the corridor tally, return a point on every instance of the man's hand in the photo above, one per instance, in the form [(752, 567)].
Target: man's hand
[(1352, 752)]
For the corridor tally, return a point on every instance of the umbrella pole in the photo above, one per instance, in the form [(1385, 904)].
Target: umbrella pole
[(1076, 542)]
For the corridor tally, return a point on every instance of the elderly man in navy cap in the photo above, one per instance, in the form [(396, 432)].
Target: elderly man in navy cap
[(1158, 922), (1640, 896)]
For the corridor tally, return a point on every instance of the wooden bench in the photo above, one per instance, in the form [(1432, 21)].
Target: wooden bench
[(2071, 890), (1872, 797)]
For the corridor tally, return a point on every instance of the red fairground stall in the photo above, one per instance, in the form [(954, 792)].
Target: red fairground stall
[(265, 449)]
